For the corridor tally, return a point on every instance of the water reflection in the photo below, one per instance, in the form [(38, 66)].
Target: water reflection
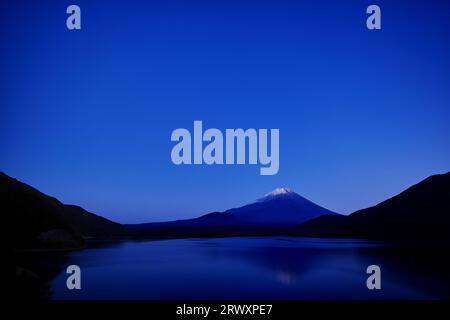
[(255, 268)]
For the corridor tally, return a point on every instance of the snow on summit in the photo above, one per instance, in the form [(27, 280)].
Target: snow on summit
[(279, 191)]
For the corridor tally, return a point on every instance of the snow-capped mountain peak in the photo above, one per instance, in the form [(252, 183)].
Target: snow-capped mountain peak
[(278, 191), (281, 206)]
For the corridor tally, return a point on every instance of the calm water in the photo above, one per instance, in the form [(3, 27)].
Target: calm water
[(253, 268)]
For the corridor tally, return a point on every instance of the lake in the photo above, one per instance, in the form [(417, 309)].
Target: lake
[(253, 268)]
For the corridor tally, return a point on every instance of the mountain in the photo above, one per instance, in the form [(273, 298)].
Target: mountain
[(89, 224), (420, 212), (268, 215), (215, 224), (281, 207), (214, 219), (31, 219)]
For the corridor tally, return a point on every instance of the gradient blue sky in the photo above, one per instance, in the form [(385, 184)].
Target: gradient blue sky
[(86, 116)]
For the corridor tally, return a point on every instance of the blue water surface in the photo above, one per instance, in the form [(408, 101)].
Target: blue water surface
[(251, 268)]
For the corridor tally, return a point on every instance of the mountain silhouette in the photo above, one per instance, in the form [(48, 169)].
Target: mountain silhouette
[(33, 220), (276, 210), (281, 207), (420, 212), (209, 225)]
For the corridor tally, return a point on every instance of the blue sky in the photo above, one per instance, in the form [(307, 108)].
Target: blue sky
[(86, 116)]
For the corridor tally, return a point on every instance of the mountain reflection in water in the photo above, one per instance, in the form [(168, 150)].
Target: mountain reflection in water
[(255, 268)]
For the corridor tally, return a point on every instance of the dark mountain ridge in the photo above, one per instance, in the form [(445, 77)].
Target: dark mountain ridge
[(34, 220), (421, 211)]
